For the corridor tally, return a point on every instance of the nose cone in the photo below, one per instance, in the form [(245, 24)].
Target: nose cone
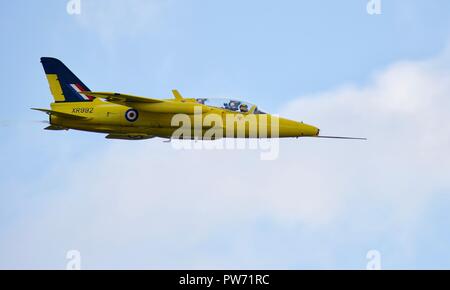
[(308, 130), (289, 128)]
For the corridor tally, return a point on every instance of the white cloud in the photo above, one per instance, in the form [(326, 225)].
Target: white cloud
[(147, 205)]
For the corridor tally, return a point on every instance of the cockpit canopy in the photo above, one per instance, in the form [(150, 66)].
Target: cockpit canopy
[(231, 105)]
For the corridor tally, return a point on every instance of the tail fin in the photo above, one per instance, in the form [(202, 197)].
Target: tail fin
[(64, 85)]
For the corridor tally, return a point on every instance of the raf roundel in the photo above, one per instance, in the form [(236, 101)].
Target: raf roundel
[(131, 115)]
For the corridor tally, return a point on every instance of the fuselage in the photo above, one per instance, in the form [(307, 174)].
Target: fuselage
[(165, 120)]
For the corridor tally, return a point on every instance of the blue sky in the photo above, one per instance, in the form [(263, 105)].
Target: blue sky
[(127, 205)]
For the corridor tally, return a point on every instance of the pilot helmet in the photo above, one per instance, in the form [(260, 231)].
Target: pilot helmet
[(243, 108)]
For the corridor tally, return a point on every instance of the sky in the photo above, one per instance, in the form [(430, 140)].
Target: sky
[(322, 204)]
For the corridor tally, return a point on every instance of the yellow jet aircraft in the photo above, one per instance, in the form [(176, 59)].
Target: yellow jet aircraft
[(129, 117)]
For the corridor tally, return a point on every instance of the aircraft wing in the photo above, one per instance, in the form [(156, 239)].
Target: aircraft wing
[(121, 98), (61, 114), (129, 136), (55, 128)]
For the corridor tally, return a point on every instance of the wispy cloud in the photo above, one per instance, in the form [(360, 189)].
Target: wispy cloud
[(404, 113)]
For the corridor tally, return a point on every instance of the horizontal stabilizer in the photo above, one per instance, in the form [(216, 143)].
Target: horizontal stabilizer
[(121, 98), (61, 114)]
